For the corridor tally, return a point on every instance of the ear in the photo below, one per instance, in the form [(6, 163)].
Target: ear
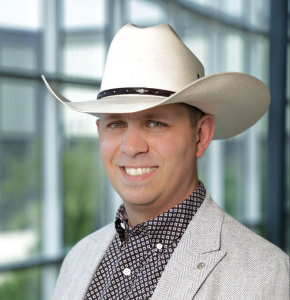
[(98, 124), (205, 131)]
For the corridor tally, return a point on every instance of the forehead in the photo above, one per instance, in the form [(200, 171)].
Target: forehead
[(165, 112)]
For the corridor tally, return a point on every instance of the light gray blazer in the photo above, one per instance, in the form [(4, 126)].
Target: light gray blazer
[(238, 264)]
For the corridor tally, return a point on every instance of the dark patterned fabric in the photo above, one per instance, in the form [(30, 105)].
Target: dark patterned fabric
[(137, 256)]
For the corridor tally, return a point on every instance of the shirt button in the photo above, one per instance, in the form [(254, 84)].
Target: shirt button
[(127, 271), (159, 246), (123, 225)]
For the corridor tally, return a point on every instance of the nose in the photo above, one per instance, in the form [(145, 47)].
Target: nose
[(133, 142)]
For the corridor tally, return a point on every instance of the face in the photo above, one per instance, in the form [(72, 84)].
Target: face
[(149, 156)]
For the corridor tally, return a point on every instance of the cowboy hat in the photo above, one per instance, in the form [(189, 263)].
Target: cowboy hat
[(148, 67)]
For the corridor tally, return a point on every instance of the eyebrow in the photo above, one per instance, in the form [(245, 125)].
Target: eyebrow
[(154, 116), (112, 116), (143, 116)]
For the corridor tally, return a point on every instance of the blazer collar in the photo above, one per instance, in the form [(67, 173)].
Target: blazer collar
[(197, 254), (204, 231)]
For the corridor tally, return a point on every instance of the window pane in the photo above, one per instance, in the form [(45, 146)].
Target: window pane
[(206, 3), (233, 8), (79, 124), (20, 285), (252, 12), (83, 54), (20, 14), (146, 13), (19, 51), (234, 47), (20, 173), (259, 13), (83, 14), (18, 106)]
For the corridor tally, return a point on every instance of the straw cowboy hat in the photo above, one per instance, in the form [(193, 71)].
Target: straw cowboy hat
[(148, 67)]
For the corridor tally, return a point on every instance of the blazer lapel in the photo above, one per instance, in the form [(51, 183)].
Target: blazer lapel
[(85, 265), (196, 255)]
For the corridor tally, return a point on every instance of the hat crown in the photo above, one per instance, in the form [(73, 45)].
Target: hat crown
[(152, 57)]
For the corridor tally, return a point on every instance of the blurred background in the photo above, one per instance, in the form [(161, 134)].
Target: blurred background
[(53, 190)]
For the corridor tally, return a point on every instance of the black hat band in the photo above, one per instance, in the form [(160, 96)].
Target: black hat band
[(137, 91)]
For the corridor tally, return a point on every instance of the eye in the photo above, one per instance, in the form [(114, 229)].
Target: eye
[(116, 125), (156, 124)]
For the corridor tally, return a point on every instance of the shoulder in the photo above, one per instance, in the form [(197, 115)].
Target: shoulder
[(98, 235), (250, 267), (96, 241), (232, 236), (254, 262), (81, 262), (237, 237), (253, 259)]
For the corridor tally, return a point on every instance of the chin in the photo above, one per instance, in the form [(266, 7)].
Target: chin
[(138, 201)]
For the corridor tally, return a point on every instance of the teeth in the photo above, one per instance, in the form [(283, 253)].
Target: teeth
[(139, 171)]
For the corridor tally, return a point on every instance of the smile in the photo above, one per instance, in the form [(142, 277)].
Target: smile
[(139, 171)]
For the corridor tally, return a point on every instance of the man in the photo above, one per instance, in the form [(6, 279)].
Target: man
[(157, 115)]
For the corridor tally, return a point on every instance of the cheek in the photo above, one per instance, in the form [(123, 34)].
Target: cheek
[(108, 148), (178, 154), (180, 147)]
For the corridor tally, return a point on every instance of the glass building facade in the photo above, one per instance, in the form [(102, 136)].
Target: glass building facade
[(53, 189)]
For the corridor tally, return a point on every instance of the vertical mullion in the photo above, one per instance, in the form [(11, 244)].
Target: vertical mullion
[(251, 183), (276, 137), (52, 202), (217, 162)]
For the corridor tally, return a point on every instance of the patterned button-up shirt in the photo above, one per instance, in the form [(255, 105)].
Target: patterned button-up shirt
[(137, 256)]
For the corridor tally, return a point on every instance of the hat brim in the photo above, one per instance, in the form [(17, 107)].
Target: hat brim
[(235, 100)]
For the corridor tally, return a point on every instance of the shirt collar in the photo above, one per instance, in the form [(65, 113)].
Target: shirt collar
[(166, 227)]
